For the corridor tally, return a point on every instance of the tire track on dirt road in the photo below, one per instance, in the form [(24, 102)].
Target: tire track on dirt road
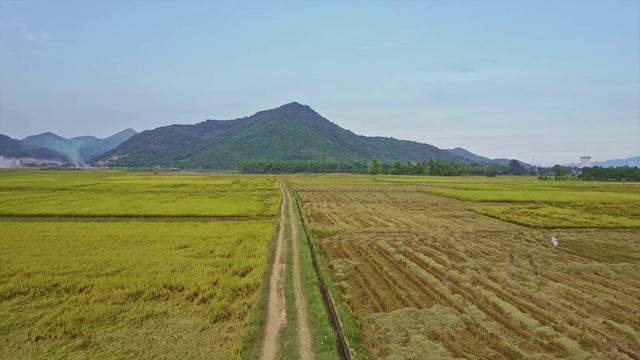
[(304, 330), (276, 311)]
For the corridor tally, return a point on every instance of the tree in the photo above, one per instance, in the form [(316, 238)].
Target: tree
[(397, 168), (561, 170), (431, 167), (374, 166), (491, 172), (415, 168), (515, 167), (625, 173)]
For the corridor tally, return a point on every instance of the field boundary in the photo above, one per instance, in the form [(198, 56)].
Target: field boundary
[(127, 218), (334, 319), (250, 340)]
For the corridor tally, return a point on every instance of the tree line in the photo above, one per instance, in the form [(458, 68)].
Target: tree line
[(375, 166), (624, 173), (436, 167)]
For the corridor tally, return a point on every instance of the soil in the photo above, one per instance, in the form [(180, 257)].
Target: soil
[(276, 310), (304, 331)]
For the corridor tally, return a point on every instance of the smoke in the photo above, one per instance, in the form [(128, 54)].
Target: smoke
[(73, 154), (8, 163)]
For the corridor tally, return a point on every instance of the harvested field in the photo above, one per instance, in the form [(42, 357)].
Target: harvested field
[(425, 276)]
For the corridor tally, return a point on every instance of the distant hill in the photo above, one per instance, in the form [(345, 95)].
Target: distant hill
[(290, 132), (12, 148), (481, 159), (632, 161), (469, 155), (78, 149)]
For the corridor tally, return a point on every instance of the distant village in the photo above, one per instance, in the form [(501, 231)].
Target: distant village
[(41, 163), (108, 162), (31, 162)]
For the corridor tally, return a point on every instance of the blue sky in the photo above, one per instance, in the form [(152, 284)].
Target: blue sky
[(554, 79)]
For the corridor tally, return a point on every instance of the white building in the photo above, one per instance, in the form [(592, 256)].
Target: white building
[(585, 161)]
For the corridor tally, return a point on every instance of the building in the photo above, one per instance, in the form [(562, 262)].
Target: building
[(31, 162), (585, 161)]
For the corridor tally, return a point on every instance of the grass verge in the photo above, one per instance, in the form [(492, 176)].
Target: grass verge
[(324, 336)]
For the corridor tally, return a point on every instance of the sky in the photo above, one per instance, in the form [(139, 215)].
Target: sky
[(543, 81)]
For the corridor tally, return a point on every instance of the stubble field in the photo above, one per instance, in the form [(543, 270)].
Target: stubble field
[(424, 274), (116, 265)]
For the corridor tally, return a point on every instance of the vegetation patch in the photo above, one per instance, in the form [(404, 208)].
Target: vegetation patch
[(550, 217), (550, 204), (409, 330), (557, 196)]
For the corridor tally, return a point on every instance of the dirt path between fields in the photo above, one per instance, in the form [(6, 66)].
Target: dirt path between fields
[(276, 311), (304, 330)]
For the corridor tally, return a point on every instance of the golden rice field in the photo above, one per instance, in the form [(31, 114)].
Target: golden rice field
[(424, 274), (101, 264), (110, 194), (80, 279)]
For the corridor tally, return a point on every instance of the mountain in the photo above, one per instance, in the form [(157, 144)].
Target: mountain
[(632, 161), (11, 148), (481, 159), (290, 132), (469, 155), (78, 149)]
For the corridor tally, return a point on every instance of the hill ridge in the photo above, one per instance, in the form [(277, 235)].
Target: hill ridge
[(13, 149), (462, 152), (292, 131), (77, 149)]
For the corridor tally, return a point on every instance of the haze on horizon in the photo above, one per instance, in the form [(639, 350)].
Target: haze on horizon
[(554, 79)]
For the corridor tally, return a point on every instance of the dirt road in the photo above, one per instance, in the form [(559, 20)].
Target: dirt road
[(304, 331), (276, 311), (277, 317)]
